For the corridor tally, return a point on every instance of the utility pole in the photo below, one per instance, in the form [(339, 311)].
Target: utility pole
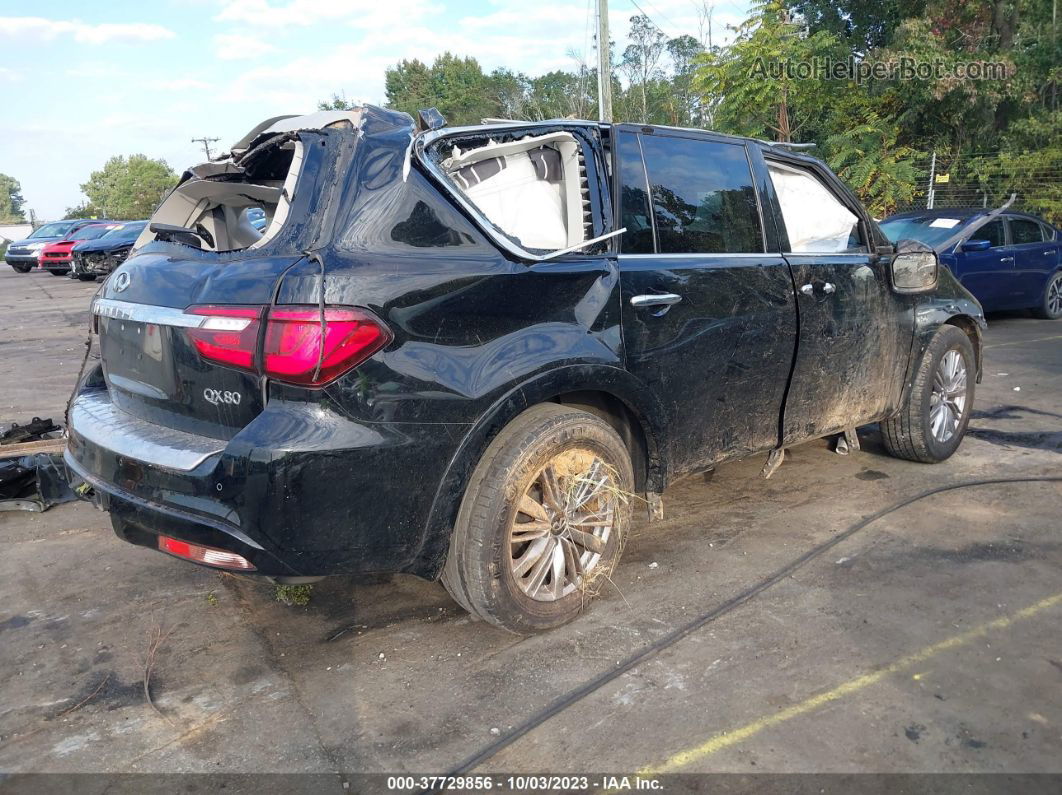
[(604, 64), (206, 142)]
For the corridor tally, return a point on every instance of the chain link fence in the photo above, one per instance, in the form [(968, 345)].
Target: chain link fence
[(987, 179)]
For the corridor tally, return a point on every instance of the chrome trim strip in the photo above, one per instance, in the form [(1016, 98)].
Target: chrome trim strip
[(94, 418), (146, 313)]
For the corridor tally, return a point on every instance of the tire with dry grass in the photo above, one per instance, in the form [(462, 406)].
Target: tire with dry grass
[(543, 520)]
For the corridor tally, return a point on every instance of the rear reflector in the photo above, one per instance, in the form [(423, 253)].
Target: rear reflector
[(208, 556), (293, 340)]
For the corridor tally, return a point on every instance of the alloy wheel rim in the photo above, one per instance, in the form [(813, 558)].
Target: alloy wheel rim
[(562, 524), (947, 403), (1054, 296)]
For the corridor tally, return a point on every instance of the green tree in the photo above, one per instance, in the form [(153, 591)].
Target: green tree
[(456, 86), (11, 200), (868, 158), (641, 60), (83, 210), (129, 187), (684, 101), (752, 83)]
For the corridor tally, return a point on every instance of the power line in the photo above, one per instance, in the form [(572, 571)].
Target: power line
[(656, 24)]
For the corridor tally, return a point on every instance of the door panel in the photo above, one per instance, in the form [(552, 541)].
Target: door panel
[(719, 348), (989, 274), (1034, 259), (855, 333), (854, 345), (720, 357)]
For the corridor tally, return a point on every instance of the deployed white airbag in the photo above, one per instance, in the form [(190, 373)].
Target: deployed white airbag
[(531, 188), (814, 218)]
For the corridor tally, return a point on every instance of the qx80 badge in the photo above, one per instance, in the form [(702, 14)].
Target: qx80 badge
[(219, 396)]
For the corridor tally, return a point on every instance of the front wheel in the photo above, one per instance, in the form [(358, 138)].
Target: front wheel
[(931, 425), (543, 520), (21, 268), (1050, 307), (58, 273)]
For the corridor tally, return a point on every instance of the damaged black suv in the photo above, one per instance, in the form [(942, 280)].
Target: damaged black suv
[(466, 353)]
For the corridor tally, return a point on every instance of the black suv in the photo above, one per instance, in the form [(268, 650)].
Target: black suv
[(468, 353)]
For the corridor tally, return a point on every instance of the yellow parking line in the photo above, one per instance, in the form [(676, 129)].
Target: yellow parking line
[(726, 739)]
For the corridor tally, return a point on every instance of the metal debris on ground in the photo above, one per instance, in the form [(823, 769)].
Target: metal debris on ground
[(32, 474)]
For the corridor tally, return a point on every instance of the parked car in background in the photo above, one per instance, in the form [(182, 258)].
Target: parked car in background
[(55, 257), (460, 353), (91, 259), (1012, 260), (23, 255)]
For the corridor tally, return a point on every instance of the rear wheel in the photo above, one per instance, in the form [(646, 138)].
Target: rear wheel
[(543, 521), (21, 268), (1050, 307), (931, 425)]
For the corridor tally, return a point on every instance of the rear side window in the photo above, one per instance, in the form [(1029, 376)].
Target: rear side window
[(992, 232), (703, 199), (1024, 230), (815, 219)]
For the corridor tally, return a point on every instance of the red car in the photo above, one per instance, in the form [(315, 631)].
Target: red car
[(55, 257)]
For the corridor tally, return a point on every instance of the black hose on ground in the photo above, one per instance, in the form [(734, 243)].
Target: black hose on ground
[(673, 637)]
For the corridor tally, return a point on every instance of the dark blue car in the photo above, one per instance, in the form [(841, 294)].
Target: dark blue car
[(1008, 261)]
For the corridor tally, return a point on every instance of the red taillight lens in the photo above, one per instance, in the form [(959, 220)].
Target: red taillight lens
[(294, 336), (229, 336), (209, 556)]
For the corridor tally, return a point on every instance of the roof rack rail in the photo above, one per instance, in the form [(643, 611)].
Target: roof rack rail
[(788, 145)]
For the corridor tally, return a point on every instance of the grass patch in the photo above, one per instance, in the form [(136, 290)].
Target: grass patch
[(293, 595)]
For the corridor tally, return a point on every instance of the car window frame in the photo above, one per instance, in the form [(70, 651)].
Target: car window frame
[(640, 130), (832, 183), (1010, 234), (1006, 232)]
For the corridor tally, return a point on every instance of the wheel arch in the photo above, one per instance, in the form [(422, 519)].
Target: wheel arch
[(607, 392), (969, 326)]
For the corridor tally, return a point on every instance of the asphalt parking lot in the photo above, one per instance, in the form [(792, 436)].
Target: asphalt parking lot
[(926, 640)]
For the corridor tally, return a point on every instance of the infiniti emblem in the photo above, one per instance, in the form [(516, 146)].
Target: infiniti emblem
[(121, 281)]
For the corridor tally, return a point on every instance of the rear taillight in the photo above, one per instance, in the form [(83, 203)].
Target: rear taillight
[(229, 335), (208, 556), (292, 341)]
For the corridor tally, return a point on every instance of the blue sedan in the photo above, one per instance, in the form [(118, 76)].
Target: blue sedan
[(1010, 261)]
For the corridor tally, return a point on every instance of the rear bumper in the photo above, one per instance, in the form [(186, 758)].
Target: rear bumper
[(300, 491)]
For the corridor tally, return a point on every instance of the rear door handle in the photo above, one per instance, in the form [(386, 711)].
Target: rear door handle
[(655, 299)]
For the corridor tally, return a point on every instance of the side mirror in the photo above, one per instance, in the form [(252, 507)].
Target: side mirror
[(915, 267), (977, 245)]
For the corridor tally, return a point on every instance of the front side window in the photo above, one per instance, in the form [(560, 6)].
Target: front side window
[(703, 199), (815, 219), (1024, 230), (992, 232)]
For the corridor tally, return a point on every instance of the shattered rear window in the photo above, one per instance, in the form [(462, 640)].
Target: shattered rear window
[(531, 188), (243, 206)]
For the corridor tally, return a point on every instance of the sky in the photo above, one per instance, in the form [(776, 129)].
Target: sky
[(80, 82)]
